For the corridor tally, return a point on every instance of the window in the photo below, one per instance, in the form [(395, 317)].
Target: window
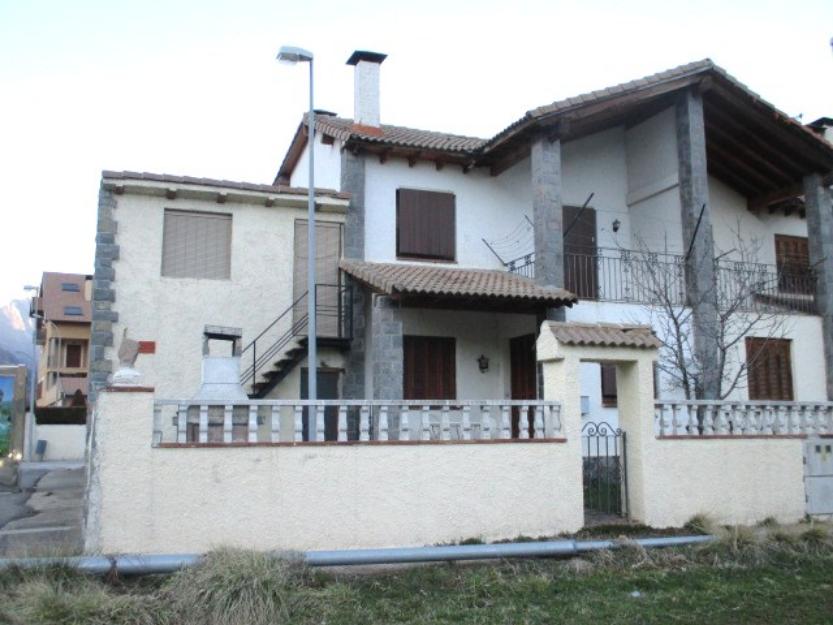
[(609, 395), (73, 355), (792, 259), (73, 311), (196, 245), (425, 225), (580, 252), (70, 287), (769, 371), (429, 367)]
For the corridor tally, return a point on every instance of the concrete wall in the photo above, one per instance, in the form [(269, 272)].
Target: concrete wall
[(317, 497), (63, 442), (173, 311), (733, 481)]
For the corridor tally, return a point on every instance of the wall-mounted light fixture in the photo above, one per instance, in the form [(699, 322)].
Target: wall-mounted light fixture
[(483, 363), (616, 225)]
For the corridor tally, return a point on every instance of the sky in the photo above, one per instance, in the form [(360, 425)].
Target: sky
[(193, 88)]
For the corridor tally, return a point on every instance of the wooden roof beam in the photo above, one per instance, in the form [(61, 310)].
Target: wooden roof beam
[(716, 134), (714, 151)]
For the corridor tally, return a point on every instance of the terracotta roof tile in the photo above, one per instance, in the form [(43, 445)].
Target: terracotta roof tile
[(604, 334), (343, 129), (393, 278), (212, 182)]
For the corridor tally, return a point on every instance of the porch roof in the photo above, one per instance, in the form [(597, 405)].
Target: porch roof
[(604, 334), (450, 283)]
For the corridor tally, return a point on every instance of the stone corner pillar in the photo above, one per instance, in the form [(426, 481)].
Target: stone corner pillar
[(386, 347), (700, 266), (547, 216), (819, 208)]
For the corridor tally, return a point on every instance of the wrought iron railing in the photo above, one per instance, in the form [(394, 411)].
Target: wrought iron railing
[(344, 420), (694, 418), (631, 276), (333, 317)]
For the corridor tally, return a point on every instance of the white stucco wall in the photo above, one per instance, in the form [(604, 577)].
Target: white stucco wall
[(63, 442), (327, 166), (733, 481), (173, 311), (318, 497)]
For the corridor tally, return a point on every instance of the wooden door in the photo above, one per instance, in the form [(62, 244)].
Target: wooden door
[(522, 365), (429, 368), (580, 252), (327, 388)]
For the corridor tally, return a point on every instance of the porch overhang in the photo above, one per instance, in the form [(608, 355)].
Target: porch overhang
[(432, 286)]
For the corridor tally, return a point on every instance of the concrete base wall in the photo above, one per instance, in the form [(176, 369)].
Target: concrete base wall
[(63, 442), (317, 497), (732, 481)]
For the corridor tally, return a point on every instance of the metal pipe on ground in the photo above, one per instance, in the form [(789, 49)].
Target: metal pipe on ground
[(170, 563)]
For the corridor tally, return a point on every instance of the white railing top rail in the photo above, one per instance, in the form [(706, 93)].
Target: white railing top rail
[(451, 403), (741, 402)]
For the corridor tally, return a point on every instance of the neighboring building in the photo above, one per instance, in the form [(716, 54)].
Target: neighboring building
[(63, 311), (441, 254)]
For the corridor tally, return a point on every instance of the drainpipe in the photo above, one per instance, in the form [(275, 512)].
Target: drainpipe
[(170, 563)]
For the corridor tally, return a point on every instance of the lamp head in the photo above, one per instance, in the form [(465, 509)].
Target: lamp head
[(293, 54)]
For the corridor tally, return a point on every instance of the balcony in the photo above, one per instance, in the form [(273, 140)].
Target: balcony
[(658, 278)]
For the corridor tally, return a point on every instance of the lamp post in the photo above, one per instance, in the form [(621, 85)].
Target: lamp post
[(292, 55), (28, 427)]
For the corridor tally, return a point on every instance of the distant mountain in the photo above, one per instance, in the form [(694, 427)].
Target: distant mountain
[(16, 329)]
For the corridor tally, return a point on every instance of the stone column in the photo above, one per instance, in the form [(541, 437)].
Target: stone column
[(386, 348), (700, 267), (353, 181), (819, 209), (547, 212)]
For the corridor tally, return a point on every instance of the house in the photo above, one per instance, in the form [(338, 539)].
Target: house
[(439, 255), (63, 311)]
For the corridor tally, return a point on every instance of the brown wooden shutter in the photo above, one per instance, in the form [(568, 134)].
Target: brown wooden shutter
[(769, 369), (580, 252), (609, 394), (425, 224), (792, 258), (429, 367), (196, 245)]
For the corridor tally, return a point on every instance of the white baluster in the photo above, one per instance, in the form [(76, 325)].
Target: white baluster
[(505, 426), (228, 412), (383, 423), (723, 420), (802, 419), (298, 435), (790, 419), (523, 422), (466, 423), (829, 420), (539, 422), (364, 423), (692, 426), (252, 424), (675, 419), (426, 423), (182, 423), (708, 420), (556, 420), (276, 424), (203, 426), (659, 418), (342, 423), (486, 422), (404, 424), (157, 425), (319, 423), (445, 428)]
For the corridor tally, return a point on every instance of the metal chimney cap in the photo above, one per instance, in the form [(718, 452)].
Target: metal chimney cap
[(365, 55)]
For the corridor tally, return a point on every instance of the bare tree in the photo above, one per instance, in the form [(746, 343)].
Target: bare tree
[(750, 301)]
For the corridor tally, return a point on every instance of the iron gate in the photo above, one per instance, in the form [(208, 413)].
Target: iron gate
[(605, 469)]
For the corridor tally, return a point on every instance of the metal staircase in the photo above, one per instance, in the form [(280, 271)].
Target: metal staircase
[(282, 344)]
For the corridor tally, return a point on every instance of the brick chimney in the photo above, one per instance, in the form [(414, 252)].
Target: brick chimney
[(366, 87)]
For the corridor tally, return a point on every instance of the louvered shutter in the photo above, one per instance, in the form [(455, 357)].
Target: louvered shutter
[(609, 394), (769, 369), (196, 245), (425, 224), (792, 258)]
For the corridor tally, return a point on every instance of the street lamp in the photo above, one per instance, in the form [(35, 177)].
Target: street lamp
[(29, 424), (292, 55)]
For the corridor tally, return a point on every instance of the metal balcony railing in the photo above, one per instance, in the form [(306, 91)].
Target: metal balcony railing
[(656, 278)]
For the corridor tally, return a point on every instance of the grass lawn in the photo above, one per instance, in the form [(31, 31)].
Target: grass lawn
[(743, 579)]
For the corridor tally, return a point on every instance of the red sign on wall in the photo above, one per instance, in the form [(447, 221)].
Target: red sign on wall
[(147, 347)]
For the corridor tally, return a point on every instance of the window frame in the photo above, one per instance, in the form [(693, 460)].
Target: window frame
[(753, 356), (452, 258), (65, 360)]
